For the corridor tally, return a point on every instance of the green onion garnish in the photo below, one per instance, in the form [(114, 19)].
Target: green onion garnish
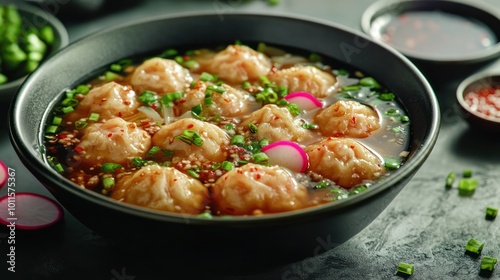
[(309, 126), (208, 101), (109, 76), (321, 185), (260, 158), (238, 140), (59, 168), (467, 186), (207, 77), (246, 85), (94, 117), (491, 213), (474, 246), (205, 215), (169, 98), (369, 82), (263, 142), (294, 109), (139, 162), (351, 88), (108, 182), (148, 98), (191, 63), (406, 268), (80, 125), (392, 163), (67, 109), (404, 119), (253, 128), (282, 102), (226, 165), (193, 173), (190, 137), (229, 126), (488, 263), (57, 121), (168, 53), (153, 151), (358, 189), (467, 173), (388, 96), (51, 129), (450, 179), (217, 89), (314, 57), (392, 112), (167, 152), (82, 89), (110, 167)]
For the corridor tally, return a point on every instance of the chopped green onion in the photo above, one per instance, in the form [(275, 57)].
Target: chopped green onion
[(51, 129), (59, 168), (253, 128), (207, 77), (139, 162), (191, 63), (190, 137), (110, 167), (83, 89), (467, 173), (488, 263), (265, 80), (314, 57), (168, 53), (351, 88), (153, 151), (57, 120), (169, 98), (238, 140), (67, 109), (342, 72), (226, 165), (217, 89), (260, 158), (467, 186), (246, 85), (388, 96), (205, 215), (450, 179), (94, 117), (69, 102), (474, 246), (193, 173), (80, 125), (242, 162), (116, 67), (392, 112), (148, 98), (167, 152), (208, 101), (321, 185), (3, 79), (491, 213), (392, 163), (229, 126), (309, 126), (282, 102), (108, 182), (263, 142), (273, 2), (109, 76), (261, 47), (294, 109), (369, 82), (357, 190), (406, 268), (405, 119)]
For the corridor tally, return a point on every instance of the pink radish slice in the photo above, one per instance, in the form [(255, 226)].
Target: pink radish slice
[(3, 174), (29, 211), (304, 100), (287, 154)]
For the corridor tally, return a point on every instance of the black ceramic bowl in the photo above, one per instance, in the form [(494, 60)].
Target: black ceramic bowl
[(35, 17), (289, 235), (485, 81)]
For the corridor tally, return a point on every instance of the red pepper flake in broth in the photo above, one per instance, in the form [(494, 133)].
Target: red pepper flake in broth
[(257, 176), (120, 114), (110, 134), (62, 136), (78, 149), (190, 126), (353, 120)]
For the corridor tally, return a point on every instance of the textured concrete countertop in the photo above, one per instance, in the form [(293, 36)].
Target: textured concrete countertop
[(426, 225)]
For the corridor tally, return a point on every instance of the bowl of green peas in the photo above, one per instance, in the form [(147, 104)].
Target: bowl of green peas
[(28, 36)]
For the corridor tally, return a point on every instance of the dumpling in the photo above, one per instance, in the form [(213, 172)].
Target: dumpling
[(275, 123), (162, 188), (347, 118), (231, 102), (161, 76), (305, 78), (175, 137), (114, 141), (344, 161), (256, 189), (109, 100), (237, 64)]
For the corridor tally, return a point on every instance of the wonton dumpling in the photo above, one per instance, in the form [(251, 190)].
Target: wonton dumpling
[(109, 100), (305, 78), (114, 141), (162, 188), (347, 118), (161, 76), (344, 161), (275, 123), (257, 189), (237, 64), (214, 140)]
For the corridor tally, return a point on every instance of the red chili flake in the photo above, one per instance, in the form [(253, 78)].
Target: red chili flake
[(257, 176), (353, 120), (120, 114), (276, 118), (352, 146), (110, 134), (175, 180), (154, 106), (144, 123), (78, 149), (337, 134), (186, 57), (190, 126), (122, 130), (62, 136)]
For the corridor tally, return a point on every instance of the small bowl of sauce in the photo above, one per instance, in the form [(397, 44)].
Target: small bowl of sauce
[(440, 31), (479, 100)]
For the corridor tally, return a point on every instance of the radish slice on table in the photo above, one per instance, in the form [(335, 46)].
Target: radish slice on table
[(3, 174), (304, 100), (29, 211), (287, 154)]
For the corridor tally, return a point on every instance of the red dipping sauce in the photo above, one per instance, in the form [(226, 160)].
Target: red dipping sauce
[(436, 34), (484, 101)]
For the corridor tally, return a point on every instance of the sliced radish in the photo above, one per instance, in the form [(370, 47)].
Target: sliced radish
[(29, 211), (304, 100), (287, 154), (3, 174)]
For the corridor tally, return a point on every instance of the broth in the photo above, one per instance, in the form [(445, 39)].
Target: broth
[(224, 143)]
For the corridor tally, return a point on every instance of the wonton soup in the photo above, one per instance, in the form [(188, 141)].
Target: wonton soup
[(233, 130)]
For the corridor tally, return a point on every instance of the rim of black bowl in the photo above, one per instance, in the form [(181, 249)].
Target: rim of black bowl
[(33, 160), (483, 78), (61, 34), (483, 12)]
